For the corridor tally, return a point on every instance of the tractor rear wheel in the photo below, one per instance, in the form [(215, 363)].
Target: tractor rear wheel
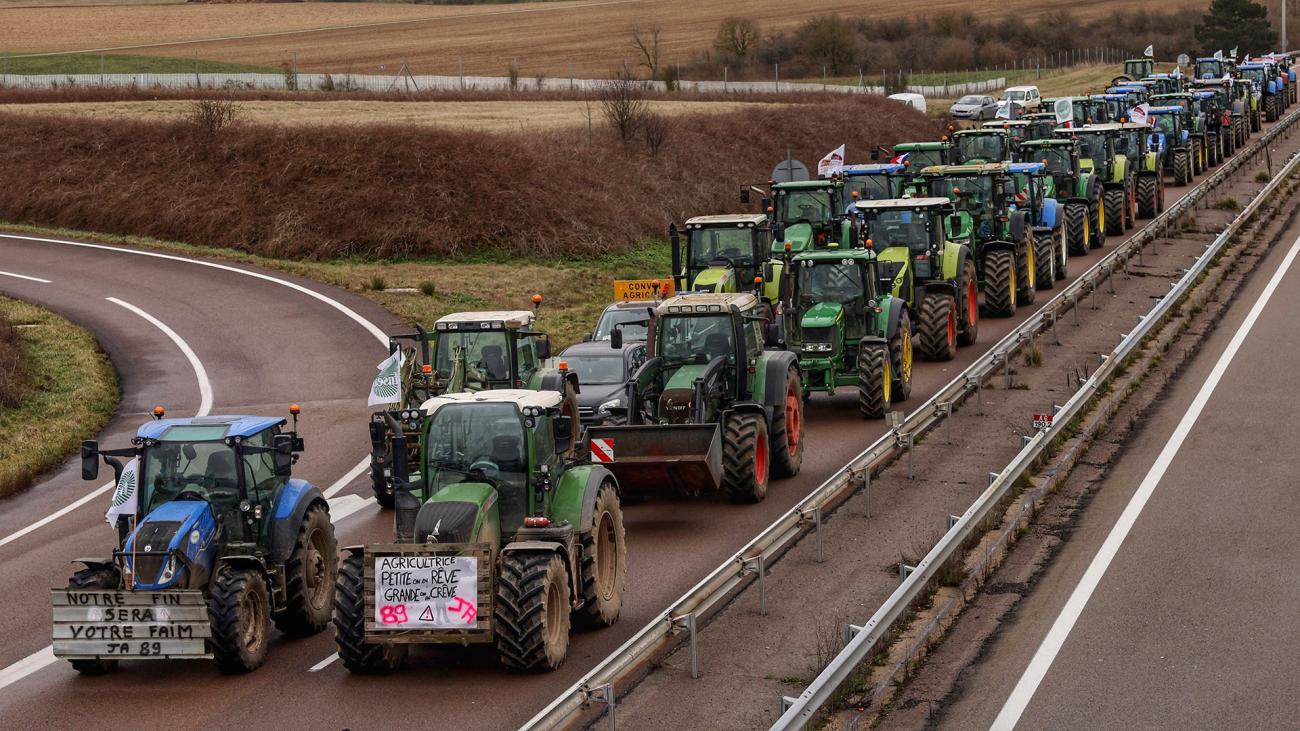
[(936, 330), (1000, 283), (532, 611), (1216, 149), (359, 656), (604, 560), (1026, 271), (1076, 228), (239, 607), (787, 428), (968, 294), (900, 358), (1146, 196), (874, 388), (1182, 168), (309, 576), (1198, 157), (1060, 254), (1045, 259), (1097, 224), (94, 577), (745, 458), (1113, 201)]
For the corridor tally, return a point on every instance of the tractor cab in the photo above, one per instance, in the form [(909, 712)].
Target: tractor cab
[(1087, 110), (1133, 94), (910, 236), (719, 253), (1025, 128), (809, 214), (1115, 106), (876, 181), (917, 156), (1096, 147), (478, 351), (984, 145), (1164, 83), (1214, 68), (1193, 105), (1137, 68), (1060, 158), (982, 192)]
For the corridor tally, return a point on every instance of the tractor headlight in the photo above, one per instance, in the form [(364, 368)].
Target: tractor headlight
[(608, 405), (169, 570)]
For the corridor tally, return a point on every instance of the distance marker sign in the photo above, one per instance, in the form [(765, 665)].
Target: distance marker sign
[(425, 592)]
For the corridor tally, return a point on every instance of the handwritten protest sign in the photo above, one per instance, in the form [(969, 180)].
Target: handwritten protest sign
[(425, 592)]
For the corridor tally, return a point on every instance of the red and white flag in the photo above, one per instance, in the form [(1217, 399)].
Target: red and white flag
[(1138, 114), (832, 163)]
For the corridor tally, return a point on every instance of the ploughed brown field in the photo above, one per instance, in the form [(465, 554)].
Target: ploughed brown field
[(582, 37)]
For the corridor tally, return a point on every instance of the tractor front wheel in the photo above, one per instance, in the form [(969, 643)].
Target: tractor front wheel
[(874, 378), (1097, 224), (1060, 253), (787, 428), (900, 358), (532, 611), (745, 458), (1076, 228), (359, 656), (309, 576), (239, 608), (604, 560), (94, 577), (1113, 201), (1147, 188), (1045, 259), (937, 329), (969, 294), (1182, 168), (1000, 283)]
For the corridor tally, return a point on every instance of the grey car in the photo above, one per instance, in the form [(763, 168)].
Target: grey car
[(603, 372), (974, 106)]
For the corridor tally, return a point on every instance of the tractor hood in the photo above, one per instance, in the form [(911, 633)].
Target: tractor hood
[(456, 513), (175, 537), (715, 279), (684, 377), (800, 237), (822, 314)]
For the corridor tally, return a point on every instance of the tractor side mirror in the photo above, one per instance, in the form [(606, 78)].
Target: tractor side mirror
[(744, 195), (89, 459), (563, 433), (875, 154), (282, 450), (543, 346), (616, 338), (778, 232), (769, 271)]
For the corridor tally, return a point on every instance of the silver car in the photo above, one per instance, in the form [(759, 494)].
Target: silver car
[(974, 106)]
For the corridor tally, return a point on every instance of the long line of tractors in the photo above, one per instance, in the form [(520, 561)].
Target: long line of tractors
[(507, 491)]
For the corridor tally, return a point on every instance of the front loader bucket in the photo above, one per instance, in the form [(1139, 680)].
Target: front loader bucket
[(660, 457)]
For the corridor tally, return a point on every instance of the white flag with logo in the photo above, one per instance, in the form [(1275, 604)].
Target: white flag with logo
[(1233, 52), (1004, 110), (1064, 110), (387, 387), (1150, 52), (1138, 114), (832, 163), (1218, 55), (124, 496)]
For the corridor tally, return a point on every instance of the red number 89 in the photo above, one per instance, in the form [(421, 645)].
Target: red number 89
[(392, 614)]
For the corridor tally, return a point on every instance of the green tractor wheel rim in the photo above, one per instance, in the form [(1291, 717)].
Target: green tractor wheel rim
[(1101, 219), (792, 425)]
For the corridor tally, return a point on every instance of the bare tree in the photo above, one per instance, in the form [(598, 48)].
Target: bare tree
[(736, 37), (646, 42), (625, 109), (654, 130), (213, 115)]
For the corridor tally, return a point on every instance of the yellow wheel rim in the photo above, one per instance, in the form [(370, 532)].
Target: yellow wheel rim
[(1101, 219), (889, 386), (1087, 229), (907, 357), (1011, 282), (1033, 276)]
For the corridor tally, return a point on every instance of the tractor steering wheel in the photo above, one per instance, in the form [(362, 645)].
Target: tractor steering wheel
[(191, 495), (486, 466)]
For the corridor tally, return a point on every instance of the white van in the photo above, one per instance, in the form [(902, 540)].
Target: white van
[(1025, 97), (915, 101)]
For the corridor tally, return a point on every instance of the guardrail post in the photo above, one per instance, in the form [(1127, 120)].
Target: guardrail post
[(604, 693), (759, 568), (866, 489), (851, 631), (1056, 337), (783, 704), (687, 622), (993, 477), (952, 520), (945, 408), (817, 529), (904, 571), (1074, 307), (1006, 365), (974, 382)]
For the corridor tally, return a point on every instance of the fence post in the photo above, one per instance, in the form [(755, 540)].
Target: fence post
[(776, 70)]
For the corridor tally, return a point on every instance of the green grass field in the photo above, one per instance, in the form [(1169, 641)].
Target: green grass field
[(118, 64)]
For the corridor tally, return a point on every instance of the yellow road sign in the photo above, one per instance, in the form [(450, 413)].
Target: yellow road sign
[(642, 289)]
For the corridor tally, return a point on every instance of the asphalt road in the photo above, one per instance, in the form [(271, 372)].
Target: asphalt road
[(1173, 603), (264, 345)]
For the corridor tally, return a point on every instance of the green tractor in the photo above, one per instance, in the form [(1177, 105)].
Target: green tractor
[(1023, 129), (1077, 188), (466, 351), (1099, 151), (1271, 89), (922, 263), (847, 330), (724, 253), (1001, 231), (1132, 142), (984, 145), (501, 538), (1139, 68), (875, 181), (917, 156), (1173, 142), (810, 214), (710, 409), (1194, 121)]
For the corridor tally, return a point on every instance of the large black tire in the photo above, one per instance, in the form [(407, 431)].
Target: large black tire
[(1198, 157), (240, 609), (532, 611), (359, 656), (1113, 200), (1147, 188), (969, 297), (604, 560), (745, 458), (95, 577), (309, 576), (787, 443), (1096, 225), (1000, 283), (936, 327), (1182, 168), (1216, 148), (1061, 253), (1045, 259), (1270, 109), (874, 377), (901, 358), (1076, 228), (381, 486), (1026, 271)]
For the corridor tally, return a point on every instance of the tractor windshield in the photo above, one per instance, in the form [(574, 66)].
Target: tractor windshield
[(813, 206), (206, 469), (731, 243), (990, 147), (1129, 144), (487, 355), (870, 187), (1259, 76), (1057, 159), (976, 190), (631, 333), (922, 159), (695, 338), (1093, 147), (900, 228), (1167, 123), (466, 439), (828, 280)]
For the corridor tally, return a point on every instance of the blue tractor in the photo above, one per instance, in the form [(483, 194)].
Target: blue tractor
[(216, 541)]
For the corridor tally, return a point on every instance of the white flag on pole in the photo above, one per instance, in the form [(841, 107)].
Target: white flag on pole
[(124, 496), (1233, 52), (387, 387), (1064, 109), (832, 163), (1150, 52), (1004, 110), (1218, 55)]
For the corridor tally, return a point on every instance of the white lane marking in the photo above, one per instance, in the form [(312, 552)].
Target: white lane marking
[(205, 407), (343, 481), (17, 671), (347, 311), (24, 276), (314, 668), (201, 373), (1056, 636)]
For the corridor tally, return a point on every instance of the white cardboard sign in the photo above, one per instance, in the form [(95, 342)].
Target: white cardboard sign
[(425, 592)]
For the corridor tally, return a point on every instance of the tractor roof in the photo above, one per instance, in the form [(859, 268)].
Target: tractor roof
[(806, 184), (979, 168), (1026, 167), (1173, 95), (1054, 142), (1164, 110), (1109, 97), (884, 168), (896, 203), (1004, 123), (937, 145), (986, 129), (1104, 127), (509, 319), (1212, 82), (709, 301), (835, 255), (729, 219), (518, 396), (1204, 95), (231, 426)]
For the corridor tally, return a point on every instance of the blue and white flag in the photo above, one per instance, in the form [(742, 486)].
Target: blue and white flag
[(124, 497)]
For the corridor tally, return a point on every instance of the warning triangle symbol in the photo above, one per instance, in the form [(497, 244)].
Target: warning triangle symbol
[(427, 614)]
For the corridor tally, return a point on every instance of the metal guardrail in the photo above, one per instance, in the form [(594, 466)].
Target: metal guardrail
[(684, 614), (802, 710)]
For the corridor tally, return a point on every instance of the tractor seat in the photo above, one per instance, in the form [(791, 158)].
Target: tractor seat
[(494, 362), (717, 344), (221, 470), (505, 453)]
